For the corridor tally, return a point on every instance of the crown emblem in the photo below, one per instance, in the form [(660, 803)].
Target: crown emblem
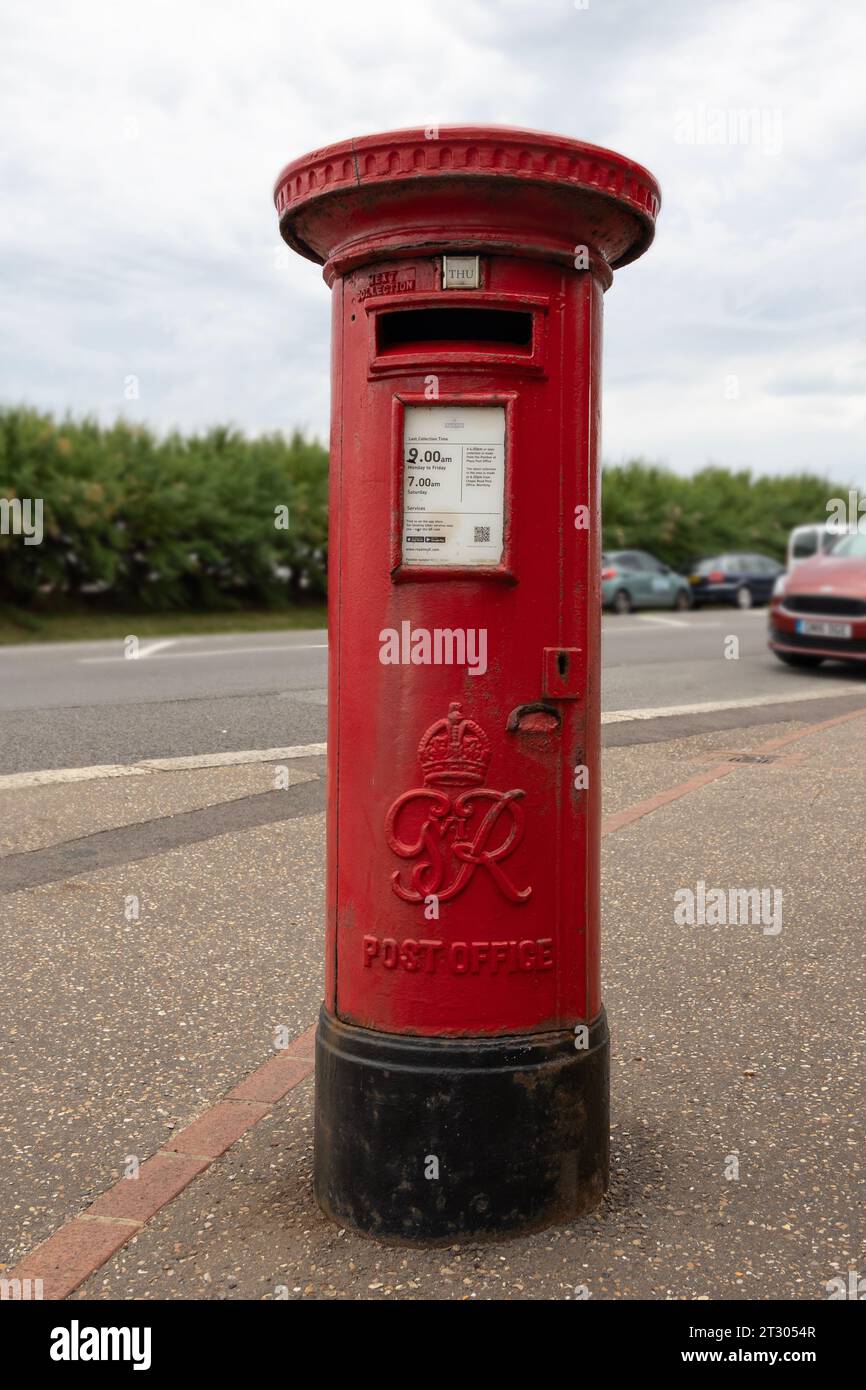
[(454, 750)]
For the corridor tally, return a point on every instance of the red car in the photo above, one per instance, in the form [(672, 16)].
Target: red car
[(818, 611)]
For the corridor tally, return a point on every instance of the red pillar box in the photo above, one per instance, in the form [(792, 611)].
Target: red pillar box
[(462, 1056)]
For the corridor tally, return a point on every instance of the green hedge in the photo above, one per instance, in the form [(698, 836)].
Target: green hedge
[(139, 522), (132, 521), (714, 510)]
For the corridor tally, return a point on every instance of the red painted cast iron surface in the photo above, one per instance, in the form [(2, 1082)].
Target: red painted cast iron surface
[(472, 795)]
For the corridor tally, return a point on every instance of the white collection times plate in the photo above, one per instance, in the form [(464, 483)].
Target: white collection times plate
[(453, 484)]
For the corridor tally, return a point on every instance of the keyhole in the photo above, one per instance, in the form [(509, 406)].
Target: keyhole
[(562, 663)]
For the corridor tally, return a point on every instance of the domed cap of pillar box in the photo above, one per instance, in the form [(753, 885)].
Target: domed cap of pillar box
[(491, 189)]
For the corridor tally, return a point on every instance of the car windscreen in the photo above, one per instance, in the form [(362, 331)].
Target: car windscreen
[(851, 547)]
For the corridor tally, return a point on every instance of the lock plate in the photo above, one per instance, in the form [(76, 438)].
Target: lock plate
[(560, 675)]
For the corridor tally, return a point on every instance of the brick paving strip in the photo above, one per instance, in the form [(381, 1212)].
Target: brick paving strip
[(713, 774), (76, 1250)]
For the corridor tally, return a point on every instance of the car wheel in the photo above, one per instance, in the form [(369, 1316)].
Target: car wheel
[(744, 598), (621, 601), (682, 601), (798, 659)]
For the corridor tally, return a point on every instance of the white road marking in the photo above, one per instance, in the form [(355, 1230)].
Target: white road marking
[(221, 651), (254, 755), (613, 629), (625, 716), (14, 781), (144, 652)]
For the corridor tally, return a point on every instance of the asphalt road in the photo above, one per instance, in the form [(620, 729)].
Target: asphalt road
[(76, 704)]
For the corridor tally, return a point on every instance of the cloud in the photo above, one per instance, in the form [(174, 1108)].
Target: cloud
[(140, 238)]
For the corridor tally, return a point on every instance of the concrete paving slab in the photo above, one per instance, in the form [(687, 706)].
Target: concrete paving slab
[(119, 1031), (632, 773), (34, 817), (737, 1080)]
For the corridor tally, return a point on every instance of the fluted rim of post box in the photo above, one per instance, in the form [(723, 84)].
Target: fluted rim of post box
[(402, 158)]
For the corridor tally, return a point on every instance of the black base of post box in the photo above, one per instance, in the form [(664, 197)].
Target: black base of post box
[(424, 1140)]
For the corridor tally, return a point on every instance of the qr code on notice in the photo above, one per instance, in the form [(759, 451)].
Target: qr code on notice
[(482, 533)]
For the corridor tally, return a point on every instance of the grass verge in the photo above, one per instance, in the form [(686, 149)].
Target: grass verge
[(17, 625)]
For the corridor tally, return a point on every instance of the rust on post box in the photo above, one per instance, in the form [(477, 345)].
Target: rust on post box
[(462, 1050)]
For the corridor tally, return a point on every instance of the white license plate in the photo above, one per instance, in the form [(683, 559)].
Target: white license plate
[(811, 628)]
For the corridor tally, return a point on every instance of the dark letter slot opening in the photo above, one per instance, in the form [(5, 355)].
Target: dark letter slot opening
[(402, 330)]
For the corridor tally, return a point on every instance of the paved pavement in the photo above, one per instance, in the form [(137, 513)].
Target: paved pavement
[(77, 704), (162, 942)]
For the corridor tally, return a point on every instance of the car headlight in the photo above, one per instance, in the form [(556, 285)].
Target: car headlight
[(779, 586)]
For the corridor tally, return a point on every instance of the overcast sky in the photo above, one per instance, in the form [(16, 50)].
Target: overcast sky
[(139, 238)]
